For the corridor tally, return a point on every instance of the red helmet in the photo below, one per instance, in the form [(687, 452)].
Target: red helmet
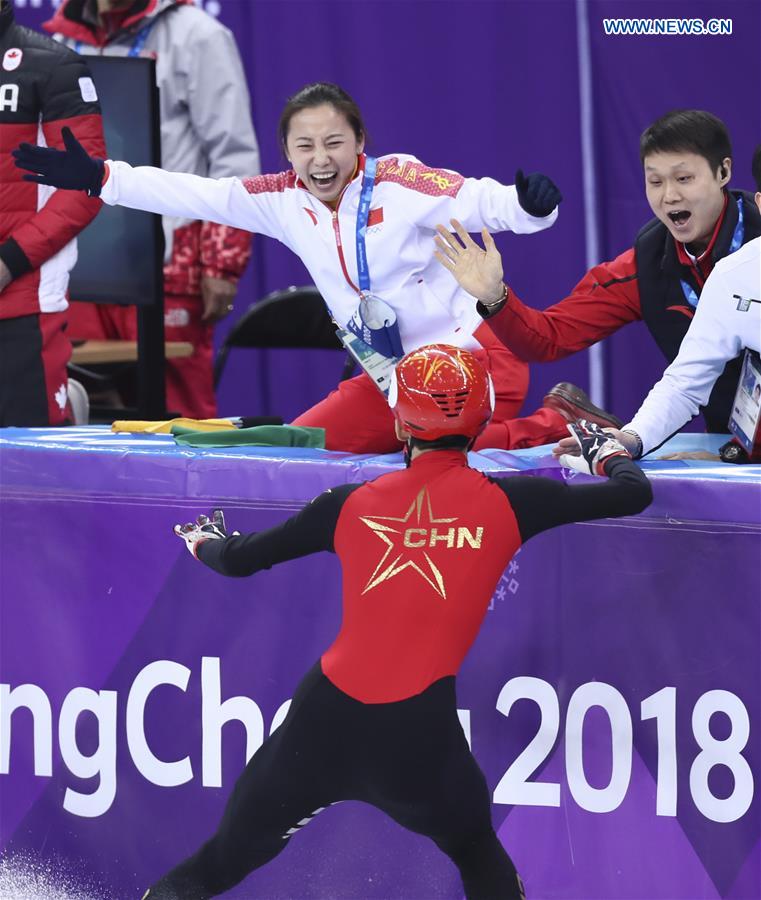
[(439, 390)]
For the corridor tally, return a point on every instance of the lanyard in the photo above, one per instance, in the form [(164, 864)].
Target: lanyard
[(737, 241), (137, 45), (368, 182), (140, 38), (374, 323)]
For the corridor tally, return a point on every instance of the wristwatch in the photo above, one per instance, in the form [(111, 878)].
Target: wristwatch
[(732, 452), (488, 309), (637, 453)]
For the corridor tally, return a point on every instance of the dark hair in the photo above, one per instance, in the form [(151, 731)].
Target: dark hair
[(317, 94), (755, 167), (691, 131)]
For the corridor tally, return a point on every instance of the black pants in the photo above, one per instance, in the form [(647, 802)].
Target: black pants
[(34, 351), (409, 759)]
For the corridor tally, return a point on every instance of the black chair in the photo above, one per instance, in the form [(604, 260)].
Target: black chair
[(292, 319)]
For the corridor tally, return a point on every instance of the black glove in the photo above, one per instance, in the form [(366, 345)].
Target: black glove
[(537, 194), (596, 446), (72, 169), (203, 529)]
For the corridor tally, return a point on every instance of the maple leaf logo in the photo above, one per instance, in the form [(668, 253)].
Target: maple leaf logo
[(12, 59), (61, 395)]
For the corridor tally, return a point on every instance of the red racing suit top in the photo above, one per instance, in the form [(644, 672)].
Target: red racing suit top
[(645, 282), (422, 551), (43, 86)]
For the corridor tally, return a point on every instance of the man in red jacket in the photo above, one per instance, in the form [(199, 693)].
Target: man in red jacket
[(687, 163), (43, 87)]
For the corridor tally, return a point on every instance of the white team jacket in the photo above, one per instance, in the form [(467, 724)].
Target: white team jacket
[(409, 200), (728, 318)]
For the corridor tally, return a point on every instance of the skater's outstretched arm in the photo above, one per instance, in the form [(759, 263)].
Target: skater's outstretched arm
[(542, 503), (309, 531)]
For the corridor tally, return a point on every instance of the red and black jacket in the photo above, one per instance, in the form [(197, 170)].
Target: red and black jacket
[(43, 86)]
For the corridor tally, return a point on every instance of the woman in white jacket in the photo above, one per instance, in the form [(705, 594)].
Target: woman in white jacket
[(364, 228)]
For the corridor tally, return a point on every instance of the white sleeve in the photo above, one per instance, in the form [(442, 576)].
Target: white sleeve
[(434, 196), (484, 202), (711, 341), (223, 200)]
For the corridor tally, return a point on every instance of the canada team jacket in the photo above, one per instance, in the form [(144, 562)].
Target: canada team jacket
[(409, 200), (43, 86), (422, 551)]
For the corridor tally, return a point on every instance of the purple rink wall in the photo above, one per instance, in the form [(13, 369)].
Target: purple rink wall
[(611, 698)]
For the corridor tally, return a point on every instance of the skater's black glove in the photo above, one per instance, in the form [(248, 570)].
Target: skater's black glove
[(596, 447), (203, 529)]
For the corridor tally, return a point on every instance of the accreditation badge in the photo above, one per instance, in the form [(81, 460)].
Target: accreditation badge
[(378, 366), (745, 421), (374, 322)]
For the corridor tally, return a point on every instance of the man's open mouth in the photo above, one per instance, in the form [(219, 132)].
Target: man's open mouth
[(679, 217)]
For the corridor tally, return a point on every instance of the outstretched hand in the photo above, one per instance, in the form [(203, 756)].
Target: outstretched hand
[(537, 193), (203, 529), (477, 270), (595, 447), (571, 447), (71, 169)]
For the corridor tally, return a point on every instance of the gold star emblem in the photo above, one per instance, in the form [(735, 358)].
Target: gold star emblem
[(389, 535)]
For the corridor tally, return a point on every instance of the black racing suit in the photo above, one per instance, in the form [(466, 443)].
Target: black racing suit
[(376, 718)]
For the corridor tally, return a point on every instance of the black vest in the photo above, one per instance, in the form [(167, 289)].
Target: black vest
[(665, 309)]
